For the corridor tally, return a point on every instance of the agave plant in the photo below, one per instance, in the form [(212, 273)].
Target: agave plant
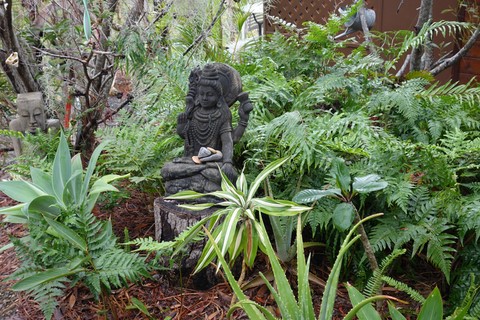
[(66, 242), (235, 227)]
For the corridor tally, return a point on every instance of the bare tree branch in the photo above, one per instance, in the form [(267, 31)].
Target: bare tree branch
[(204, 34), (442, 65), (366, 30), (399, 6), (402, 70)]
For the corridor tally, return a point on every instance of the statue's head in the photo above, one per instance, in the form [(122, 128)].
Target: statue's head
[(210, 92), (31, 111)]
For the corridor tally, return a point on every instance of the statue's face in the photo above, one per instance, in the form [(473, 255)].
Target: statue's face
[(32, 117), (208, 97)]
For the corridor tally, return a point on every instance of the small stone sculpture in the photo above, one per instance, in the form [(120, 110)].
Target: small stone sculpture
[(30, 117), (206, 127)]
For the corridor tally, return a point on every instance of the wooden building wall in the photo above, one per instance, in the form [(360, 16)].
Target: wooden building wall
[(390, 16), (469, 66)]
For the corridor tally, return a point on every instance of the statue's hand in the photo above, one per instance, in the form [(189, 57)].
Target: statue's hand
[(245, 106), (181, 123), (182, 118)]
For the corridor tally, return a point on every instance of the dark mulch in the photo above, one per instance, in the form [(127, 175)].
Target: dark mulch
[(163, 294)]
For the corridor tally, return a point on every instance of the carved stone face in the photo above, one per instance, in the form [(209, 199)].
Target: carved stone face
[(208, 97), (31, 114)]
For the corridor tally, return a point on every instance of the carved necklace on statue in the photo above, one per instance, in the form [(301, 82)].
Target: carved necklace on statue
[(206, 127)]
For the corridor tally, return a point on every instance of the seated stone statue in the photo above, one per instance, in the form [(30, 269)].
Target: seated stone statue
[(30, 118), (206, 127)]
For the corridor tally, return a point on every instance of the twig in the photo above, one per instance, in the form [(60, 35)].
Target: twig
[(404, 66), (399, 6), (60, 56), (205, 33), (114, 112)]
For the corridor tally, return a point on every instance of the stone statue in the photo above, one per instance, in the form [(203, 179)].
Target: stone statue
[(206, 127), (30, 117)]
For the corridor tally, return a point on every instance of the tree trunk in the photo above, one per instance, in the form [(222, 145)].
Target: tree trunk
[(170, 221), (22, 77), (96, 87), (424, 16)]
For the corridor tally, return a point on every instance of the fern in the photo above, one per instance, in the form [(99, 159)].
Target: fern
[(463, 278), (47, 295), (385, 235), (414, 294), (117, 267), (151, 245), (431, 232), (320, 216), (462, 93), (375, 282), (469, 219)]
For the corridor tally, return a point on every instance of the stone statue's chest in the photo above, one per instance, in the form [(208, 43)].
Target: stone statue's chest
[(205, 128)]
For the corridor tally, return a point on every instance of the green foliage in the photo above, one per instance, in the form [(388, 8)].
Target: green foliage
[(463, 276), (344, 189), (140, 150), (38, 151), (66, 242)]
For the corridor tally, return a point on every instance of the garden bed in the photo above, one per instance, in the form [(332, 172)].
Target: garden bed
[(163, 294)]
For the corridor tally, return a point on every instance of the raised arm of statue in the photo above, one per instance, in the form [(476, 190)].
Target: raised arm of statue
[(244, 114)]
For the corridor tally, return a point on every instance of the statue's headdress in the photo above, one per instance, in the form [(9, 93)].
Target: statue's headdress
[(210, 77), (224, 76)]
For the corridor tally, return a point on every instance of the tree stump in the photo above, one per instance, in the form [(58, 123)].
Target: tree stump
[(170, 221)]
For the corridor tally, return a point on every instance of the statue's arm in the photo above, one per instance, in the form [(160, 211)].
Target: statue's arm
[(181, 124), (244, 114), (227, 150)]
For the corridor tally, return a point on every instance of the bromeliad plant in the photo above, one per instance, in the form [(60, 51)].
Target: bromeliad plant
[(235, 226), (66, 243)]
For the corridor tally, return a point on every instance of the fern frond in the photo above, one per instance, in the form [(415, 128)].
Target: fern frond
[(319, 217), (48, 293), (432, 232), (150, 245), (414, 294), (399, 192), (463, 278), (463, 93), (385, 234), (375, 282), (98, 234), (469, 219), (116, 267), (323, 86)]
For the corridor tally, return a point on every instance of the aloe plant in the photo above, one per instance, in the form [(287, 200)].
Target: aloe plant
[(66, 242)]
